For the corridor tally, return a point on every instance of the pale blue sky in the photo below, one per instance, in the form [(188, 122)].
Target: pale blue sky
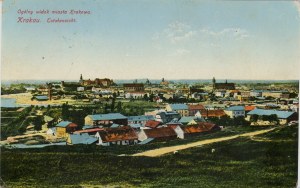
[(126, 39)]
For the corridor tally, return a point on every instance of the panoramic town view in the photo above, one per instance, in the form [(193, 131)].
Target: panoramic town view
[(150, 94)]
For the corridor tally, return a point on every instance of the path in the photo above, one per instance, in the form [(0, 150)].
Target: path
[(164, 150)]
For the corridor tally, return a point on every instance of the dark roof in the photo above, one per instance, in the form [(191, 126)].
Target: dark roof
[(118, 134), (133, 85), (228, 86), (160, 132)]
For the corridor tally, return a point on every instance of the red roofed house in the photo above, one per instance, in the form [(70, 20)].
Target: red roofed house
[(152, 124), (193, 109), (212, 113), (164, 133), (117, 136), (249, 108), (201, 127)]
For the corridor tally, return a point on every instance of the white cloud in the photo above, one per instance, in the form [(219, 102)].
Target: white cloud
[(236, 33), (176, 32)]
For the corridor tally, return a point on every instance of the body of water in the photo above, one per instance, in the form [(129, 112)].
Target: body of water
[(8, 103)]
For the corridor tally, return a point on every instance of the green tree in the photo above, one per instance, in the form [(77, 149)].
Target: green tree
[(254, 118), (273, 118), (65, 112), (38, 121), (119, 107)]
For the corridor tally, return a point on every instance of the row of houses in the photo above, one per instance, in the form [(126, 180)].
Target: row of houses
[(126, 135)]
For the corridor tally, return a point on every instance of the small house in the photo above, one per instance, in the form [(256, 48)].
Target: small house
[(182, 109), (235, 111), (65, 127), (117, 136), (106, 120), (164, 133), (83, 138)]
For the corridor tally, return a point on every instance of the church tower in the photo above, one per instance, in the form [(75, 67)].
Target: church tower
[(214, 82), (81, 79)]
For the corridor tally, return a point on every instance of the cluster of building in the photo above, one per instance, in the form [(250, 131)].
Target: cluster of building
[(174, 121)]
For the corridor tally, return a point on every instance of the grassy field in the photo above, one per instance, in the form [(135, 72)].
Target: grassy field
[(269, 160)]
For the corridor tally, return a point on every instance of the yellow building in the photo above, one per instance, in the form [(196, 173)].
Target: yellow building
[(65, 127)]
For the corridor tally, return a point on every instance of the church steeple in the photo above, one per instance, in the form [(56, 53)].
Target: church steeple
[(214, 82), (81, 77)]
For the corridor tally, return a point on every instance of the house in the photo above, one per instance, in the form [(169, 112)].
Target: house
[(134, 95), (220, 93), (212, 113), (152, 124), (83, 138), (164, 133), (117, 136), (276, 94), (80, 88), (193, 109), (106, 120), (199, 128), (166, 117), (65, 127), (182, 109), (139, 119), (190, 120), (256, 93), (235, 111), (244, 96), (284, 117), (133, 87)]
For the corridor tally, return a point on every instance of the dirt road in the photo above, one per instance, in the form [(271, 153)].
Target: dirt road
[(164, 150)]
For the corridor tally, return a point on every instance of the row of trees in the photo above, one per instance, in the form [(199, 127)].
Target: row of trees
[(227, 121), (270, 118)]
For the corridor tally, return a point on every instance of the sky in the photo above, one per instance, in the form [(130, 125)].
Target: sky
[(171, 39)]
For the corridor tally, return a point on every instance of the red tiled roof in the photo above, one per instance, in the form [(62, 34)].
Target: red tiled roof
[(118, 134), (152, 123), (160, 132), (196, 107), (249, 108), (89, 130), (212, 113), (200, 127)]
